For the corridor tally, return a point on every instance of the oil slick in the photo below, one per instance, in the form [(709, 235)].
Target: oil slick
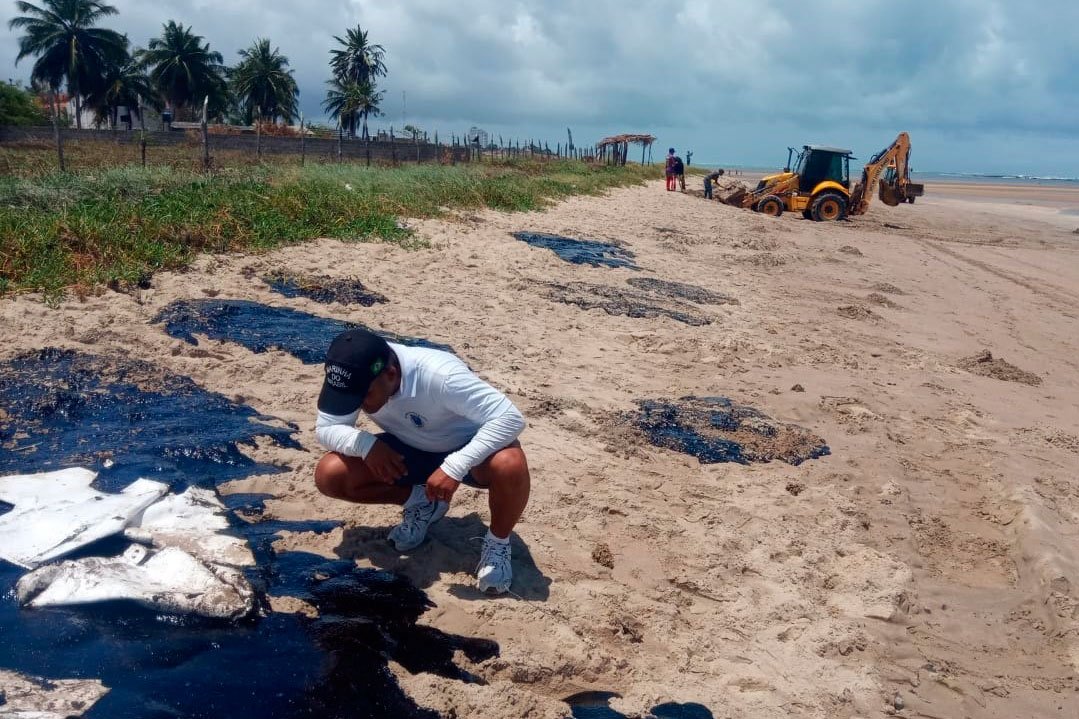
[(134, 424), (581, 252), (261, 328)]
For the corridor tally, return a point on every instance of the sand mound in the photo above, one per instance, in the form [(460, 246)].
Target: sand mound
[(856, 312), (879, 299), (763, 259), (986, 365)]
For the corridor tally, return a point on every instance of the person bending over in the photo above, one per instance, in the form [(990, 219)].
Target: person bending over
[(442, 426), (709, 179)]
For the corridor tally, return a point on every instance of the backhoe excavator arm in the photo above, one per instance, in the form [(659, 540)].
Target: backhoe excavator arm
[(891, 193)]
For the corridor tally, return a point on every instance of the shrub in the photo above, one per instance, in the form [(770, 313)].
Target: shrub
[(18, 106)]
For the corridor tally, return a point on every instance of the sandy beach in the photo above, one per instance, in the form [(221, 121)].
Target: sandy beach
[(929, 562)]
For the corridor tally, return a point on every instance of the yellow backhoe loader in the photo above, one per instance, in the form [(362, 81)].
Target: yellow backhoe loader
[(818, 186)]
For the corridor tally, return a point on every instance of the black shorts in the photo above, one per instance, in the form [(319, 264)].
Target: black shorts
[(419, 465)]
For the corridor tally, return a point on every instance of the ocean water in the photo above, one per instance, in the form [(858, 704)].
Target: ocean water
[(1047, 180), (987, 179)]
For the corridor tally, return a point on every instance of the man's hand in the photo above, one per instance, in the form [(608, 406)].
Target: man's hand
[(441, 486), (386, 465)]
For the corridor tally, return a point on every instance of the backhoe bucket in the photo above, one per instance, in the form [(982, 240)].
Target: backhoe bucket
[(890, 194)]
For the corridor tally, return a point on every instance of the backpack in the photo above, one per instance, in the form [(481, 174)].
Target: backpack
[(679, 168)]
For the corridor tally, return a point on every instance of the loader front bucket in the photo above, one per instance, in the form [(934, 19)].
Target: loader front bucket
[(735, 198)]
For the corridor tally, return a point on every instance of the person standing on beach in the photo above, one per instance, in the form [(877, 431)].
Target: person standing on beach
[(709, 179), (442, 427), (669, 172)]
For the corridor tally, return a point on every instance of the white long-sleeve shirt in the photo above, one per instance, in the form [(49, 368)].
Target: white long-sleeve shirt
[(441, 406)]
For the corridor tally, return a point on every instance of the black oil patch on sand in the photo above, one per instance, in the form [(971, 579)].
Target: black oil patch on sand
[(261, 327), (715, 429), (680, 291), (323, 289), (597, 705), (581, 252), (61, 408), (627, 302), (159, 666)]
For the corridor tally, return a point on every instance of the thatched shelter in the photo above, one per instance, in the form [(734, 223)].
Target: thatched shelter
[(615, 149)]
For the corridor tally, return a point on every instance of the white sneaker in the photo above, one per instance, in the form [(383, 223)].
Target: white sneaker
[(415, 519), (494, 572)]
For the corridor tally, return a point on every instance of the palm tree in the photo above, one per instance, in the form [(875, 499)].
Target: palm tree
[(358, 60), (351, 102), (124, 83), (183, 69), (61, 34), (263, 83)]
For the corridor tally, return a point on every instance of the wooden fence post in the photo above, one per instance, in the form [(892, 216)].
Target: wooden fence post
[(393, 147), (258, 134), (142, 133), (303, 143), (56, 130), (339, 131), (205, 135)]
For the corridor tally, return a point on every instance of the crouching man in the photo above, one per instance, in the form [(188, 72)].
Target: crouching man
[(442, 426)]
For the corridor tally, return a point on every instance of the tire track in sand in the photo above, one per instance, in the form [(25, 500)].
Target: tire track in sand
[(1048, 290)]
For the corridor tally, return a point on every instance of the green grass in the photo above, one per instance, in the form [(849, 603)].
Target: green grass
[(96, 226)]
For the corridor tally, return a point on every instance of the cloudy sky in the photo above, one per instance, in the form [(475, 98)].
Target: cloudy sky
[(982, 85)]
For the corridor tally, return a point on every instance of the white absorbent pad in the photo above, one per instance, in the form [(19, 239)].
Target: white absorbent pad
[(58, 512), (169, 580), (192, 521)]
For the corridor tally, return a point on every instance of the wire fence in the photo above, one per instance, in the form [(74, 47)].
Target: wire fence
[(31, 150)]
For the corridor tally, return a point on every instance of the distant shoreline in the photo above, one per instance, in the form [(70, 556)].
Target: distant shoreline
[(1066, 196), (1062, 195), (1005, 180), (950, 178)]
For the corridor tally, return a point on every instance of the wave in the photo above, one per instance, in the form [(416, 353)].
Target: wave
[(990, 176)]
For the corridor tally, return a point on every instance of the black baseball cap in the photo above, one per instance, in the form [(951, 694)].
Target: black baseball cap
[(353, 361)]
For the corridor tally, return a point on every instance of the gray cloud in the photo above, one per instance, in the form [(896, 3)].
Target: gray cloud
[(984, 86)]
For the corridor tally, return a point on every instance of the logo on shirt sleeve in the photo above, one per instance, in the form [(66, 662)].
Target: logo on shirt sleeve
[(416, 420)]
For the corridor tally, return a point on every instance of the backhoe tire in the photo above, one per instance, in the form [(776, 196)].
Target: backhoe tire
[(807, 213), (770, 205), (828, 207), (911, 199)]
